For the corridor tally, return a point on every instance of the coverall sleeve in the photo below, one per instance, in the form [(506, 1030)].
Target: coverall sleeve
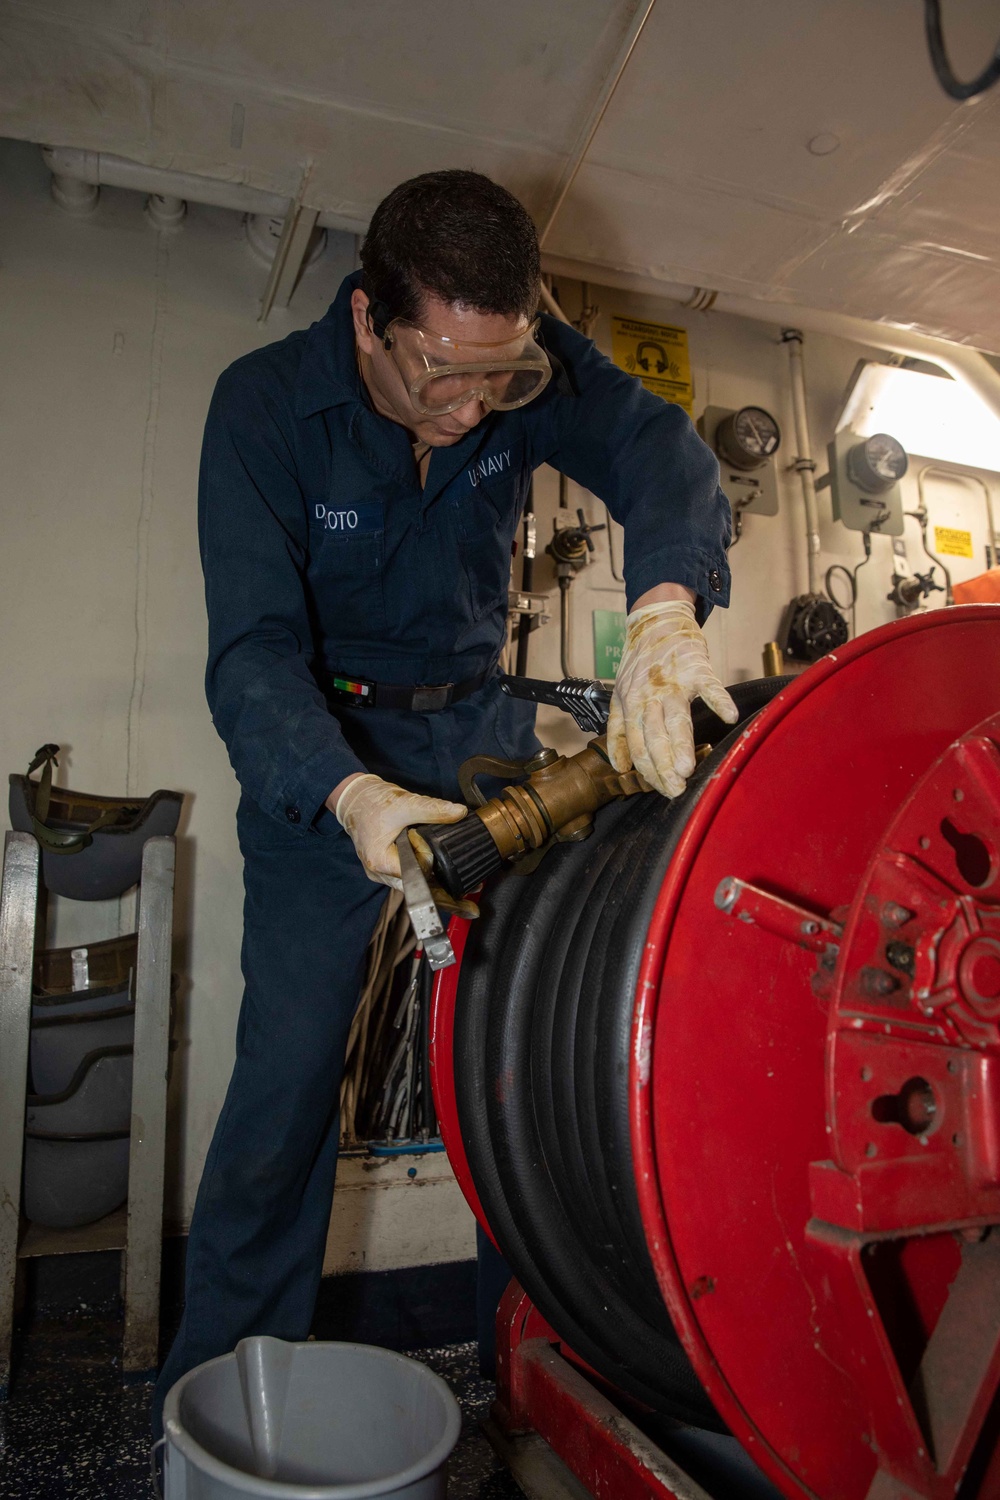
[(285, 746), (642, 456)]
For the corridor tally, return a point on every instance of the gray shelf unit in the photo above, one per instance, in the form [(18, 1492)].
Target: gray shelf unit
[(137, 1228)]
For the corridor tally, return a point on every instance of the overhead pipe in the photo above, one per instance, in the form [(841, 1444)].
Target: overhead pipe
[(962, 361), (804, 464), (69, 164)]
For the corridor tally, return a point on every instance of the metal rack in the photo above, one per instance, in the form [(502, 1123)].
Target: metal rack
[(136, 1229)]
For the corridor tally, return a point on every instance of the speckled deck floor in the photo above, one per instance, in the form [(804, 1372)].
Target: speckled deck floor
[(72, 1430)]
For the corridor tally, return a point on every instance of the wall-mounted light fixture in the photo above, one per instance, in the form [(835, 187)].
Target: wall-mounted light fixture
[(930, 415)]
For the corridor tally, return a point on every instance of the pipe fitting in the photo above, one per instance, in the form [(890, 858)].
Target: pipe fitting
[(164, 211), (73, 196)]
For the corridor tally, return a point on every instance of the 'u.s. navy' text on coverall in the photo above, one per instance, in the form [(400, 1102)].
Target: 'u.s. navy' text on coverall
[(322, 555)]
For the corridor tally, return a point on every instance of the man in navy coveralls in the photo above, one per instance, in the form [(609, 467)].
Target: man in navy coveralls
[(361, 486)]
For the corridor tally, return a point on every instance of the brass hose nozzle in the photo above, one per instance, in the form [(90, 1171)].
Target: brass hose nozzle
[(555, 802)]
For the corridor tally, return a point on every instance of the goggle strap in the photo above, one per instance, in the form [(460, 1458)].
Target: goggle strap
[(380, 317), (530, 336)]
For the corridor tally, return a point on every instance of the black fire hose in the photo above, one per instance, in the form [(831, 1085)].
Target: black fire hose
[(542, 1043)]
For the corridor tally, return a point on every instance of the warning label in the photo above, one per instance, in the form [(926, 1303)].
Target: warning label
[(953, 543), (658, 354)]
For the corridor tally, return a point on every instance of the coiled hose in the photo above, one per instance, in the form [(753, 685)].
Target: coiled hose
[(543, 1022)]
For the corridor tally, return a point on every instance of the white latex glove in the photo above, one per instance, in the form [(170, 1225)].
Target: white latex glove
[(374, 813), (664, 666)]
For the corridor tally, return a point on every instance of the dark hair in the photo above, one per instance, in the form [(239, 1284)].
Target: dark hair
[(456, 234)]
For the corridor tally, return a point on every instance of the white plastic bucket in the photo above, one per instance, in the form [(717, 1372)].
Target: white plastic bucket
[(313, 1421)]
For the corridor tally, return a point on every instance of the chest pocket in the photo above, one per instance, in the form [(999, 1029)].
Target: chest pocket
[(486, 523), (348, 549)]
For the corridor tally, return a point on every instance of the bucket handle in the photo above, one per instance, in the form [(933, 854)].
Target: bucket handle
[(152, 1467)]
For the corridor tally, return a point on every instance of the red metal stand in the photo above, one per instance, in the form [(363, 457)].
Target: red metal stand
[(541, 1391), (816, 1090)]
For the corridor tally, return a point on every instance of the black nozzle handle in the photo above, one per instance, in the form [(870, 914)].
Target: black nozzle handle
[(464, 853)]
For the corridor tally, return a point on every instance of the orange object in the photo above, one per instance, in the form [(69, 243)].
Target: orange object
[(983, 589)]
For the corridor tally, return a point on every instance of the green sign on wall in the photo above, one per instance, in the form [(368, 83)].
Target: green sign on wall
[(609, 638)]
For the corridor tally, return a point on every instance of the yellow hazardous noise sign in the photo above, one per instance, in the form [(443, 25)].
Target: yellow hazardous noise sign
[(658, 354)]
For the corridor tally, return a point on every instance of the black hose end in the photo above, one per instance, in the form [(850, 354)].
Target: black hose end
[(464, 853)]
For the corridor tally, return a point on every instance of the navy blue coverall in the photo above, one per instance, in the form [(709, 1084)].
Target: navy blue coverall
[(323, 555)]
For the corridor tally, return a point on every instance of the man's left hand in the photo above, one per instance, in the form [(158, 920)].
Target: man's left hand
[(664, 666)]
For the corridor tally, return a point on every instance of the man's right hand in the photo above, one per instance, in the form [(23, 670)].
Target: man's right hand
[(374, 813)]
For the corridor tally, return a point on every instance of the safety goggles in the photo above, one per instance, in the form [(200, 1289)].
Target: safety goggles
[(443, 374)]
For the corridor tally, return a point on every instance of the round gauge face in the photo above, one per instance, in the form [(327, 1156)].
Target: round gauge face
[(886, 457), (756, 432)]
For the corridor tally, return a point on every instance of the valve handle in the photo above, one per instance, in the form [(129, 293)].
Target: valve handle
[(586, 529)]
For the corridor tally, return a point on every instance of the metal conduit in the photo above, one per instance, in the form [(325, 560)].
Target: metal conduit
[(937, 471), (642, 13), (804, 464)]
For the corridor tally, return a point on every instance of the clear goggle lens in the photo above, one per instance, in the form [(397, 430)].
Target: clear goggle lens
[(442, 375)]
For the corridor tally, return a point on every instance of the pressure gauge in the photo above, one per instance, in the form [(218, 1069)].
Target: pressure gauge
[(747, 438), (877, 463)]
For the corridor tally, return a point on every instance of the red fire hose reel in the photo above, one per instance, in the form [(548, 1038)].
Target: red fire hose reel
[(814, 1091)]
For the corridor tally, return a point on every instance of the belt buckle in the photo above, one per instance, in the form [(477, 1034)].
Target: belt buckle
[(428, 699)]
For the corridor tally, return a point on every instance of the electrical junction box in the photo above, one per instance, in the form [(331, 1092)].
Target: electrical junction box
[(864, 481), (745, 442)]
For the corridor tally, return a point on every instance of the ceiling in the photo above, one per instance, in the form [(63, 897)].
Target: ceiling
[(790, 150)]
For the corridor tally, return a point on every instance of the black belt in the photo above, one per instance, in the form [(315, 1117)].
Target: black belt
[(423, 698)]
